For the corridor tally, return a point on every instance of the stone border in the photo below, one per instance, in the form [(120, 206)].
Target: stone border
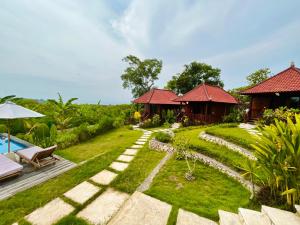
[(159, 146), (220, 141)]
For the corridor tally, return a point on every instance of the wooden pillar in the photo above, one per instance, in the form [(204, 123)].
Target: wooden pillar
[(206, 112)]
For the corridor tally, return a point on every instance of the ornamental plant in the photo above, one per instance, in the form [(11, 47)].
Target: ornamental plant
[(278, 153)]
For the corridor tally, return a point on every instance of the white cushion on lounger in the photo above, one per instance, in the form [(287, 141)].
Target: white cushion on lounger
[(7, 166), (29, 152)]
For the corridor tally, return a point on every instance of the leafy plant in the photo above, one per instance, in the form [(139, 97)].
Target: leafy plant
[(163, 137), (278, 153), (281, 113), (168, 116)]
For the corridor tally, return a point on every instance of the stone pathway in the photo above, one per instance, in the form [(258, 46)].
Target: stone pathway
[(188, 218), (50, 213), (82, 192), (119, 166), (102, 209), (105, 177), (250, 128), (142, 209), (231, 146), (125, 158), (130, 152)]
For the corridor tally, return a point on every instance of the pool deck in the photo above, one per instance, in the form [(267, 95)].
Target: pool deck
[(31, 177)]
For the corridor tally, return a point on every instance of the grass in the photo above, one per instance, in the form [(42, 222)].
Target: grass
[(142, 165), (21, 204), (100, 144), (218, 152), (236, 135), (210, 191)]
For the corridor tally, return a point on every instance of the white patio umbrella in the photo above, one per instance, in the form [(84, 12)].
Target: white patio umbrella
[(10, 111)]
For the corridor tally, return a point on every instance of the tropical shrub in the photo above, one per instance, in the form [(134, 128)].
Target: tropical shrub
[(281, 113), (66, 139), (156, 120), (278, 153), (163, 137), (137, 116), (3, 128), (235, 116), (168, 116), (146, 123)]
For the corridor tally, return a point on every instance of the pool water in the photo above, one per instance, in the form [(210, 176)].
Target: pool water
[(14, 146)]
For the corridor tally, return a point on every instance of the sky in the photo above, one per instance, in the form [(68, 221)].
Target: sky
[(76, 47)]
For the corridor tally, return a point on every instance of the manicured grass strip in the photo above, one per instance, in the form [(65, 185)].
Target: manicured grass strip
[(210, 191), (218, 152), (141, 166), (71, 220), (173, 216), (235, 135), (25, 202), (101, 144)]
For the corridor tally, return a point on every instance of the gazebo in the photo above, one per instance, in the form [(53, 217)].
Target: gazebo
[(156, 100), (207, 103), (282, 89)]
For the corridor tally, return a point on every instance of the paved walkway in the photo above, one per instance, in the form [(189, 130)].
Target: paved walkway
[(250, 128), (100, 210)]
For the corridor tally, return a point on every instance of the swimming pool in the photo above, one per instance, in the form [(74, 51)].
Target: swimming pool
[(14, 145)]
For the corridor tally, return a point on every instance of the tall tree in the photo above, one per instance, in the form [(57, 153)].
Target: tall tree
[(140, 75), (258, 76), (194, 74)]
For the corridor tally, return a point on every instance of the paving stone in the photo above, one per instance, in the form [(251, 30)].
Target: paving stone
[(143, 139), (130, 152), (105, 177), (280, 217), (188, 218), (82, 192), (50, 213), (125, 158), (102, 209), (136, 146), (140, 142), (119, 166), (229, 218), (251, 217), (142, 209)]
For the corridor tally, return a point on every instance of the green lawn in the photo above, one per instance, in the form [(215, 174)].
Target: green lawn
[(210, 191), (236, 135), (100, 144), (218, 152), (142, 165), (21, 204)]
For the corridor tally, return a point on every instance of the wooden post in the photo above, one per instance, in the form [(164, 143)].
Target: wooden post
[(206, 112)]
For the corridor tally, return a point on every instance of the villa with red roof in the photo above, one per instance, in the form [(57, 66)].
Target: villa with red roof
[(282, 89), (156, 100), (207, 103)]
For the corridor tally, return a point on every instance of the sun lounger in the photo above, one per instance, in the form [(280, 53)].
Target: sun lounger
[(38, 157), (9, 168)]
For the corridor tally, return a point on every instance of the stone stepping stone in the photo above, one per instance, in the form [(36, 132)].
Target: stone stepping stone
[(105, 177), (130, 152), (102, 209), (136, 146), (142, 209), (125, 158), (188, 218), (50, 213), (143, 139), (140, 142), (119, 166), (82, 192)]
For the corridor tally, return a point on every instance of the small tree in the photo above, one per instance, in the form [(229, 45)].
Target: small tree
[(183, 152), (258, 76), (194, 74), (140, 75), (7, 98)]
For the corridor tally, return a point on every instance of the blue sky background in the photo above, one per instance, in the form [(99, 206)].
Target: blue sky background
[(76, 47)]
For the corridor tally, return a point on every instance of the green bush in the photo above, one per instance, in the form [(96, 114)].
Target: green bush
[(168, 116), (119, 122), (156, 121), (235, 116), (280, 114), (278, 153), (3, 128), (66, 139), (147, 123), (163, 137)]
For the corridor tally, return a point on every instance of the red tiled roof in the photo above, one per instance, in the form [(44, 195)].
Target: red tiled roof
[(285, 81), (158, 96), (207, 93)]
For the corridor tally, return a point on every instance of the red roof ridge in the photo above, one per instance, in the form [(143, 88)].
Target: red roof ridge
[(205, 90), (276, 75)]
